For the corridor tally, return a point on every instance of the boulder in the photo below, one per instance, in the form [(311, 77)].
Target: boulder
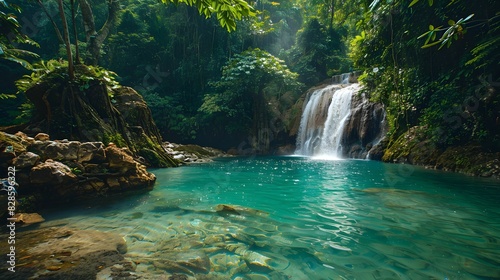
[(42, 137), (26, 140), (10, 146), (62, 151), (91, 151), (26, 159), (63, 171), (52, 172), (119, 160)]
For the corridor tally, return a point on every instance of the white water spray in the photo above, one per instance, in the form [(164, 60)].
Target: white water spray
[(320, 131)]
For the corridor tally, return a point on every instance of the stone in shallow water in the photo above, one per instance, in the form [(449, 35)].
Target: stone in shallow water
[(28, 218), (65, 253), (227, 263), (253, 276), (136, 215), (170, 266), (226, 209), (196, 262), (252, 258)]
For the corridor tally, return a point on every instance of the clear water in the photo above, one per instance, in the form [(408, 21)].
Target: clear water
[(306, 219)]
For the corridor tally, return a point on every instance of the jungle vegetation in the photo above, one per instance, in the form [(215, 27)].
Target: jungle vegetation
[(216, 71)]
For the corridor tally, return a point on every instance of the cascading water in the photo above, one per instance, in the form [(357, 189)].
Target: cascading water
[(338, 112), (338, 122), (323, 121)]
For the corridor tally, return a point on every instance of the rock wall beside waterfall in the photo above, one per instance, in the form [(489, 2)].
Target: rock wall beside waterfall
[(364, 129)]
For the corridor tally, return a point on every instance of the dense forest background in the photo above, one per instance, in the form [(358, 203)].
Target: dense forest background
[(432, 64)]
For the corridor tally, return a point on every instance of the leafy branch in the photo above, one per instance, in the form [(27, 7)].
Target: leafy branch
[(228, 11), (455, 31), (11, 33)]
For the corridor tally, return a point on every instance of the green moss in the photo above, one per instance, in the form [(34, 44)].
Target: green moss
[(116, 138), (10, 140), (155, 159), (412, 147), (197, 150)]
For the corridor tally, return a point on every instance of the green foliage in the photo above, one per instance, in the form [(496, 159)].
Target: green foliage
[(27, 109), (247, 79), (227, 11), (116, 138), (56, 70), (254, 66), (440, 90), (453, 32), (319, 53), (10, 33), (41, 71), (170, 117), (76, 171)]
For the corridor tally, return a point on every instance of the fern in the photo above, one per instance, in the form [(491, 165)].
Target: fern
[(56, 69), (482, 51)]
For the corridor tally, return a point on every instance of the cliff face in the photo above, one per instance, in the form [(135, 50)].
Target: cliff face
[(93, 111), (364, 130)]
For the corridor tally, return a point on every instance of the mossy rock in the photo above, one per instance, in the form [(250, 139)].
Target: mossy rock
[(197, 150), (11, 140), (157, 160), (96, 112), (412, 147), (470, 159)]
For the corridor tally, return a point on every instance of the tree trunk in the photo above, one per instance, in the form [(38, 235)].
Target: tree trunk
[(332, 13), (88, 19), (73, 21), (71, 70), (96, 39)]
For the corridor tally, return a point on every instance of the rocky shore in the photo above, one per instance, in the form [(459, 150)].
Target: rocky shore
[(192, 153), (413, 147), (49, 172), (53, 172)]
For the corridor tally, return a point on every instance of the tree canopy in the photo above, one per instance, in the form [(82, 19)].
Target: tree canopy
[(432, 64)]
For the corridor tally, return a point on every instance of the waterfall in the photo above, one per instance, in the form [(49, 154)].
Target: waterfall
[(338, 112), (313, 119), (338, 122), (323, 120)]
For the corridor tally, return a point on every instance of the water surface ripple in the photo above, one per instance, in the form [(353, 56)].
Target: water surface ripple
[(299, 218)]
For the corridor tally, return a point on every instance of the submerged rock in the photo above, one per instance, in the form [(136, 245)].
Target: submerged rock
[(226, 209), (28, 218), (64, 253)]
